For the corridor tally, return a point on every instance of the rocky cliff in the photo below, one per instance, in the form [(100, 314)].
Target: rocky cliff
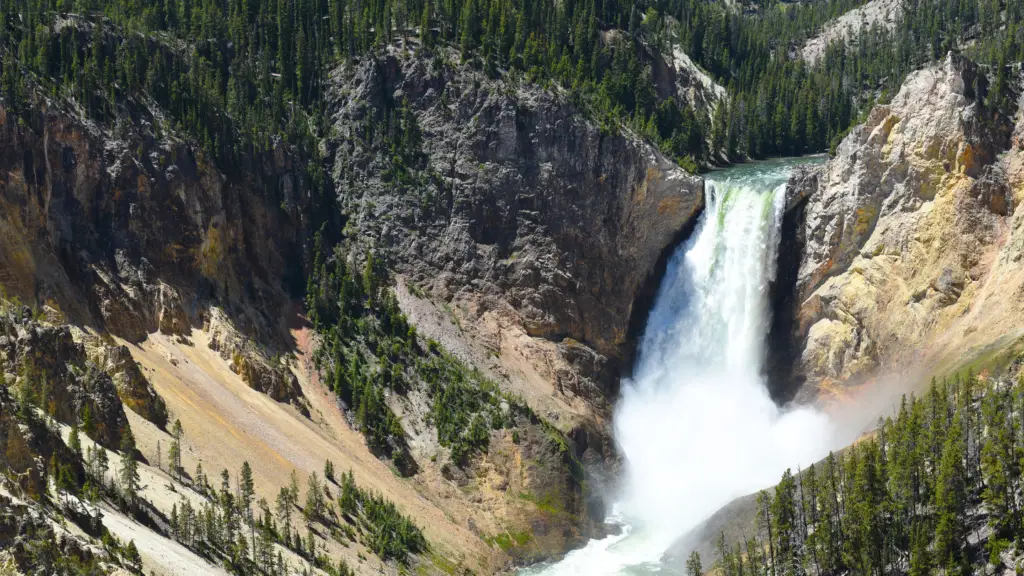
[(909, 252), (128, 230), (533, 225), (162, 287), (527, 240), (880, 14)]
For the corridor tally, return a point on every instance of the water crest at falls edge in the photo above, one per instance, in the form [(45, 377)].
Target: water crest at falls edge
[(696, 425)]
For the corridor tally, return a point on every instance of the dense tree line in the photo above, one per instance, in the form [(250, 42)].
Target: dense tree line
[(366, 345), (936, 489), (781, 105), (239, 74)]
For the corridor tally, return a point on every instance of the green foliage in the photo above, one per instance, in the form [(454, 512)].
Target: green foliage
[(905, 500), (366, 345), (693, 565), (237, 76), (386, 531), (465, 405), (368, 351), (128, 475), (216, 528), (508, 540)]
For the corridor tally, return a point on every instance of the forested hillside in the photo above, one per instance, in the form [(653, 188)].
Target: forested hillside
[(73, 473), (935, 489), (235, 75)]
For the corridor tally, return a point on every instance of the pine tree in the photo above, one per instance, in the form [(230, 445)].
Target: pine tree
[(74, 442), (719, 128), (765, 526), (920, 556), (88, 425), (348, 500), (314, 508), (174, 454), (129, 474), (246, 491), (65, 481), (131, 554), (426, 36), (951, 500), (693, 565), (283, 506), (784, 519)]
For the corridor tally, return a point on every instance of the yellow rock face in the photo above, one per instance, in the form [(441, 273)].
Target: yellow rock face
[(913, 256)]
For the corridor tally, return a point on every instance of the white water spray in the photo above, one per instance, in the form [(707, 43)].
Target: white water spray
[(696, 424)]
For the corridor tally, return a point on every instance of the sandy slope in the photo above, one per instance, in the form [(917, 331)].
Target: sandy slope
[(227, 423), (161, 556)]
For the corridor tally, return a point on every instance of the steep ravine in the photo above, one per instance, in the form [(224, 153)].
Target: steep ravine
[(528, 255)]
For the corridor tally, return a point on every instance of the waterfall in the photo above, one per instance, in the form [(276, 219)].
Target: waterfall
[(696, 425)]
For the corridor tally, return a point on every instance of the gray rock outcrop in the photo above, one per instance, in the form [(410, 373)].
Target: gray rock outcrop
[(528, 207), (46, 360), (846, 28), (131, 231)]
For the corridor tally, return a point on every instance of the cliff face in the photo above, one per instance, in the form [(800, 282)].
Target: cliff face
[(129, 231), (163, 286), (908, 234), (846, 28), (532, 218), (527, 240), (44, 359)]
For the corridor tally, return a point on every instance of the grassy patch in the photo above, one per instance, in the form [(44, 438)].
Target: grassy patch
[(446, 565), (547, 502), (997, 358), (508, 540)]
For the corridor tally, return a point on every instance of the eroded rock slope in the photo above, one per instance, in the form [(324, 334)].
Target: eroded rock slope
[(910, 253), (162, 286)]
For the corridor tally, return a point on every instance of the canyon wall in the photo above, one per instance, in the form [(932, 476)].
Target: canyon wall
[(152, 283), (909, 256), (539, 229)]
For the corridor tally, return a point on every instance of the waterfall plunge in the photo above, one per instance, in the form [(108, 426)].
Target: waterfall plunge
[(696, 424)]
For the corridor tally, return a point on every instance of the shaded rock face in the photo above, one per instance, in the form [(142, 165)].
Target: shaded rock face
[(257, 371), (530, 208), (127, 231), (130, 232), (64, 382), (784, 339), (900, 230), (133, 387)]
